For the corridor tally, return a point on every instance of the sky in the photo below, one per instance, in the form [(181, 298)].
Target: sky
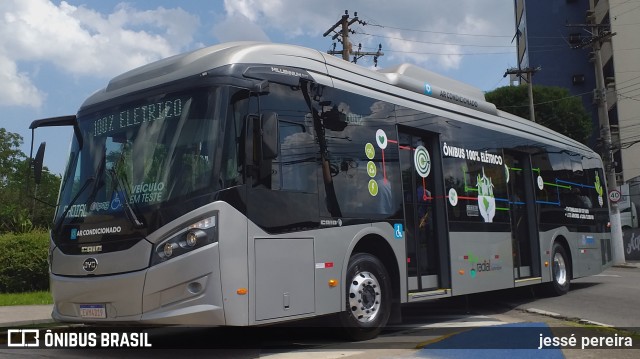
[(54, 54)]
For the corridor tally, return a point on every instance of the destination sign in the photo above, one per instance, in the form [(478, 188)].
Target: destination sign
[(135, 116)]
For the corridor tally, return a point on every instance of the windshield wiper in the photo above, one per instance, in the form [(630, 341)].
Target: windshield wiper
[(73, 201), (128, 211)]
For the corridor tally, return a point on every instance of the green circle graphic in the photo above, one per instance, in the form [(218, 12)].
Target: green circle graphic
[(371, 169), (369, 150), (373, 187)]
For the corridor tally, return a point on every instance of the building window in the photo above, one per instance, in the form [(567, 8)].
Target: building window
[(577, 79)]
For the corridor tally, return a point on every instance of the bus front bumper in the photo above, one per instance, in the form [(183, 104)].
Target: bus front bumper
[(183, 291)]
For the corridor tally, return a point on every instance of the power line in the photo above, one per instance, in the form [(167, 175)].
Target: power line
[(550, 101), (439, 32), (622, 3), (461, 34), (449, 43), (625, 12)]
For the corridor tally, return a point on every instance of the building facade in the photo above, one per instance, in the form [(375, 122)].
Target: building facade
[(559, 37)]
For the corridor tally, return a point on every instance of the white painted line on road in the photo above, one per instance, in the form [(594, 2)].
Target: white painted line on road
[(311, 354), (486, 323), (455, 322)]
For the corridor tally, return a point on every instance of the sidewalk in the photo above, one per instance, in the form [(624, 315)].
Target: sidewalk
[(18, 315)]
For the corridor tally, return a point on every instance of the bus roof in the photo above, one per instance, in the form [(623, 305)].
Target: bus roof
[(405, 76)]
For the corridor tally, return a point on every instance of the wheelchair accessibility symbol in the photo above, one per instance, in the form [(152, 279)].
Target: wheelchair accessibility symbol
[(115, 202), (397, 231)]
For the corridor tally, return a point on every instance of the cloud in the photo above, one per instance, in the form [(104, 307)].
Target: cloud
[(435, 24), (238, 27), (16, 88), (289, 17), (82, 41)]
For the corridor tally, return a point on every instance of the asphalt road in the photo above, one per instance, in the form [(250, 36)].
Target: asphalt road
[(611, 298), (429, 329)]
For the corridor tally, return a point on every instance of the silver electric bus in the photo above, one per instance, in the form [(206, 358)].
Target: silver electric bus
[(253, 183)]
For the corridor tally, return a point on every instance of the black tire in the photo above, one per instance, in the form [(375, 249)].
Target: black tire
[(560, 271), (368, 298)]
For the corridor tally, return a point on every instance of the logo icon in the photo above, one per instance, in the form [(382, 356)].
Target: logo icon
[(116, 202), (422, 161), (90, 264), (381, 139), (371, 169), (397, 231), (74, 233), (453, 197), (369, 150), (427, 89), (540, 183), (23, 338), (373, 187), (486, 200)]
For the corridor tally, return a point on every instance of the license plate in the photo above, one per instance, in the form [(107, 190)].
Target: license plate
[(93, 311)]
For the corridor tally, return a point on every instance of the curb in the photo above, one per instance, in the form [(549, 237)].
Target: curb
[(564, 317), (23, 323), (627, 265)]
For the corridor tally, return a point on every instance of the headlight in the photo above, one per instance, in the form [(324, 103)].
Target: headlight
[(195, 235)]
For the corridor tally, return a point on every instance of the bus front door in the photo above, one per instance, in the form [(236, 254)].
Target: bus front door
[(426, 230)]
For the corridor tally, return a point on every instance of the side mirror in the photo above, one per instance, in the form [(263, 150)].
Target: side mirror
[(37, 163), (270, 134)]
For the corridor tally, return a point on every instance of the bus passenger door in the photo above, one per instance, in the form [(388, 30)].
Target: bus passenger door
[(524, 232), (424, 211)]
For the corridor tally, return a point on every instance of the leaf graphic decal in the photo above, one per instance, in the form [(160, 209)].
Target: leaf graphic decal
[(598, 185)]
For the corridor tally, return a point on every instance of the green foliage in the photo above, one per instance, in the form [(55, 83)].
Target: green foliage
[(30, 298), (19, 212), (10, 155), (555, 108), (24, 262), (18, 223)]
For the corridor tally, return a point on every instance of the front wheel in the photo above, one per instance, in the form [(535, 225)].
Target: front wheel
[(560, 271), (368, 297)]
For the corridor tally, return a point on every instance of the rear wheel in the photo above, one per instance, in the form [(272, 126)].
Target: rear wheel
[(368, 297), (560, 271)]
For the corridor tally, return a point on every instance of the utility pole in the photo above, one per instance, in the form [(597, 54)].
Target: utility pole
[(599, 34), (343, 37), (529, 71)]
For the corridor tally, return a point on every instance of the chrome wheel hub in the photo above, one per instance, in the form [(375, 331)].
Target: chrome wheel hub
[(560, 269), (364, 297)]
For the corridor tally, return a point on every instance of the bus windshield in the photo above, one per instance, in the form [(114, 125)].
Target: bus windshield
[(141, 153)]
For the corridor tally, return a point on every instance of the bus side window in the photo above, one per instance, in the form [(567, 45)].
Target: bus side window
[(295, 166)]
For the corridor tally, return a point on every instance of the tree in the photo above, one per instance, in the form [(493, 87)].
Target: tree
[(10, 154), (19, 212), (554, 108)]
